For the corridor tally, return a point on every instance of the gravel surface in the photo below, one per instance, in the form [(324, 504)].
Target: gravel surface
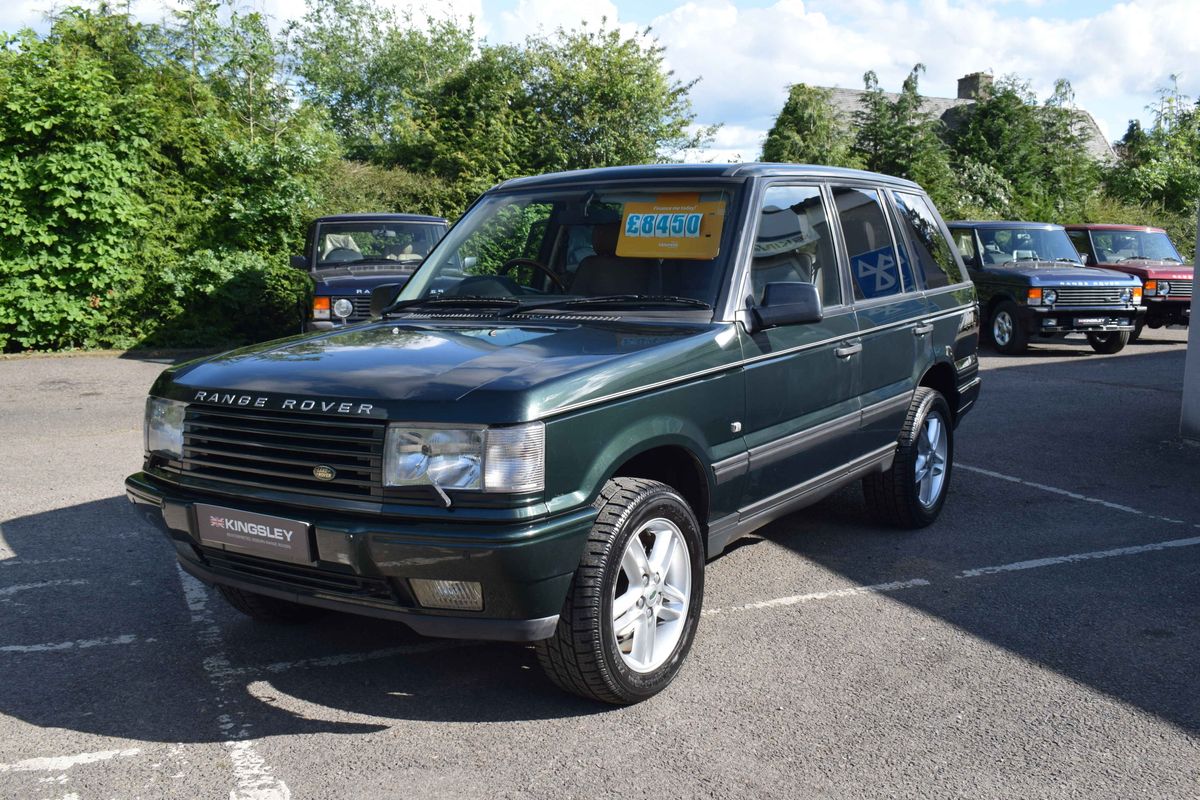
[(1041, 640)]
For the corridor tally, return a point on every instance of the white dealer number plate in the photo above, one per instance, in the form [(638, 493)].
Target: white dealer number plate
[(254, 534)]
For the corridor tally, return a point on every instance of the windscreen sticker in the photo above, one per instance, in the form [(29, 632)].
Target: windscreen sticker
[(672, 226)]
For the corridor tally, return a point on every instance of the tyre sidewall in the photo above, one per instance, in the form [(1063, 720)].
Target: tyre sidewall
[(932, 402), (660, 502)]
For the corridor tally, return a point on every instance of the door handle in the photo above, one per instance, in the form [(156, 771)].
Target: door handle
[(847, 350), (923, 329)]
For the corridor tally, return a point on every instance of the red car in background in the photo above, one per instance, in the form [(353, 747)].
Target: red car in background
[(1149, 254)]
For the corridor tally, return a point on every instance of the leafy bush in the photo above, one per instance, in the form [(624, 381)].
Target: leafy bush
[(214, 298)]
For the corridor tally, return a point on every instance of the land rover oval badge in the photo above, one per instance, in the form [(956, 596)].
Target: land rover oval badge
[(324, 473)]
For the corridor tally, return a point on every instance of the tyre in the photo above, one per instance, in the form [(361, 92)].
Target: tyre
[(1137, 332), (1108, 342), (1005, 329), (631, 611), (911, 494), (261, 608)]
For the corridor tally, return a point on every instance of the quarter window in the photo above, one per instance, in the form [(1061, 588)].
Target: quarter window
[(934, 254), (793, 243), (874, 263)]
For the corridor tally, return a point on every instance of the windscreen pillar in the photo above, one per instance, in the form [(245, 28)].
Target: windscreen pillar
[(1189, 425)]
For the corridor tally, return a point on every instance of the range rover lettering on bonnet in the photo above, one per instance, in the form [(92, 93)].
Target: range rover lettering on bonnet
[(287, 404)]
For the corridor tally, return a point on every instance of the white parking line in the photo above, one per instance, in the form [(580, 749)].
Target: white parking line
[(60, 763), (833, 594), (254, 777), (1066, 493), (78, 644), (1069, 559), (8, 591), (33, 562)]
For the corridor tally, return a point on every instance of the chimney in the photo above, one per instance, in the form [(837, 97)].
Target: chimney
[(974, 86)]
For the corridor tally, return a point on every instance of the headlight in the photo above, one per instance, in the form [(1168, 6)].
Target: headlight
[(343, 307), (1049, 296), (1127, 296), (164, 427), (508, 459), (1164, 288)]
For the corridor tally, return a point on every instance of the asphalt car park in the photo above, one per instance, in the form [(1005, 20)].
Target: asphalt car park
[(1041, 639)]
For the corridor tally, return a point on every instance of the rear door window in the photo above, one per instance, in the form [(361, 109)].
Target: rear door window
[(935, 256), (964, 240), (875, 262)]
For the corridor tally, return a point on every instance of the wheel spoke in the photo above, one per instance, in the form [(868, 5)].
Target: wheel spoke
[(665, 543), (673, 594), (634, 562), (625, 611), (643, 640)]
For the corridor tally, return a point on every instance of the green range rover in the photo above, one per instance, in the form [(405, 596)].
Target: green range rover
[(593, 384)]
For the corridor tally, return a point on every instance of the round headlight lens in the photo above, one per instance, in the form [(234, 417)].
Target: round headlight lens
[(343, 307), (1164, 287), (1049, 296), (1127, 296)]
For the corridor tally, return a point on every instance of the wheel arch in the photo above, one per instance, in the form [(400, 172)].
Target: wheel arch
[(942, 378), (676, 465)]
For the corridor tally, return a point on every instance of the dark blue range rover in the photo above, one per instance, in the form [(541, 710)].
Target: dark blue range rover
[(1031, 283), (348, 255)]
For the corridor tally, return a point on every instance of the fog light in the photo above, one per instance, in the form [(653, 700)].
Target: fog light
[(1049, 322), (456, 595)]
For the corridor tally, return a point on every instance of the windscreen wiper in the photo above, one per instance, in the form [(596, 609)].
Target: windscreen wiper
[(457, 301), (621, 301)]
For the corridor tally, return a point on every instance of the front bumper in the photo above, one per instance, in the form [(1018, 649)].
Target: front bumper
[(1162, 311), (1078, 319), (364, 564)]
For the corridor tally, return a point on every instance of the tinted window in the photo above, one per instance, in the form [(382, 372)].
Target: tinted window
[(873, 259), (1080, 240), (964, 240), (793, 243), (934, 254)]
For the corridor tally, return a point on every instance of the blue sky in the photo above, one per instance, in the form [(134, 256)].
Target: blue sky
[(747, 52)]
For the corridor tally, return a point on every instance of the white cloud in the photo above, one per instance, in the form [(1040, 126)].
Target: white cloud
[(545, 16)]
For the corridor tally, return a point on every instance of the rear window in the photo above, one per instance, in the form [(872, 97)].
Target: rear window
[(935, 257), (875, 263)]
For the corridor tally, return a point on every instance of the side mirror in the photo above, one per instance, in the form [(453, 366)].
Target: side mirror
[(470, 262), (788, 303), (382, 297), (300, 262), (1083, 258)]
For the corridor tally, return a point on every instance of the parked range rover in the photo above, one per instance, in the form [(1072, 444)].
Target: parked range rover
[(590, 387), (348, 255), (1149, 255), (1032, 283)]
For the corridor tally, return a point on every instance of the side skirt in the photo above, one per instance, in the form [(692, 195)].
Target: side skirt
[(733, 526)]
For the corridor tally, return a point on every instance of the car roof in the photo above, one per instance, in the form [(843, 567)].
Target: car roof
[(1095, 226), (700, 171), (376, 217), (1000, 223)]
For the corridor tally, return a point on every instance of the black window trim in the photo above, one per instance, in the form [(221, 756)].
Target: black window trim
[(881, 189)]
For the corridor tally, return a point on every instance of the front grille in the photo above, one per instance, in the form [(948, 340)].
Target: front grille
[(1089, 296), (306, 579), (1181, 289), (362, 307), (270, 450)]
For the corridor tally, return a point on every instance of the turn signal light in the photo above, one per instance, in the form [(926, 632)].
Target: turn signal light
[(1137, 295), (1035, 297), (320, 309)]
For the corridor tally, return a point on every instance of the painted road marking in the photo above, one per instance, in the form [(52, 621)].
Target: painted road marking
[(9, 591), (60, 763), (33, 562), (833, 594), (78, 644), (254, 777), (1067, 493), (1070, 559)]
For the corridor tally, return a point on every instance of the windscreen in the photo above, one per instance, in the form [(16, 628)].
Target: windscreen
[(1113, 247), (1015, 245), (380, 243), (633, 245)]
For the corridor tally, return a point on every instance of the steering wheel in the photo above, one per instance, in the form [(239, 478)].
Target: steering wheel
[(529, 262), (340, 255)]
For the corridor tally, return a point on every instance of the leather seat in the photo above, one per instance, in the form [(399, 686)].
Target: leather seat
[(606, 273)]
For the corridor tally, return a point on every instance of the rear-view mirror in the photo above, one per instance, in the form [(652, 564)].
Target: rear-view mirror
[(382, 297), (300, 262), (788, 303)]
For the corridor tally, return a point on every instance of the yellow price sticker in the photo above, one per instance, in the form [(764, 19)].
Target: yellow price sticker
[(672, 226)]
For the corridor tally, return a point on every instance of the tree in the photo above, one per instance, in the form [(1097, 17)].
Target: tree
[(807, 131), (1161, 165), (897, 137)]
